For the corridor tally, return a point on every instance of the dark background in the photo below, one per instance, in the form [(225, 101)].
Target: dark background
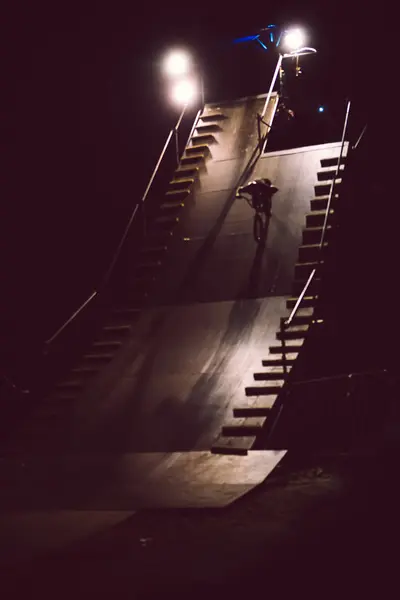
[(86, 116)]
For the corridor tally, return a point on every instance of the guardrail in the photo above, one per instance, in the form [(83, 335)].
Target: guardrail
[(349, 381), (173, 132), (285, 324)]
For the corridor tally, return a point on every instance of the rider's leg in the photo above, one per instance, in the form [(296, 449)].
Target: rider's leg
[(267, 206)]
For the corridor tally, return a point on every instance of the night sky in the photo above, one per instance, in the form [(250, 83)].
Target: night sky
[(86, 117)]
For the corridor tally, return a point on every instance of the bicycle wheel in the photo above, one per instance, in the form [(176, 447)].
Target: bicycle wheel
[(258, 228)]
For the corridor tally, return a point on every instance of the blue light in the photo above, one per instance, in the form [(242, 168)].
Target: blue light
[(261, 44), (271, 36), (248, 38), (321, 109)]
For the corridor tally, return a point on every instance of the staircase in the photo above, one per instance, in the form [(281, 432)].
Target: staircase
[(240, 434), (138, 284)]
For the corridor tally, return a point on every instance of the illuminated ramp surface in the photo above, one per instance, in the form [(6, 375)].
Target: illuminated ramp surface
[(192, 352)]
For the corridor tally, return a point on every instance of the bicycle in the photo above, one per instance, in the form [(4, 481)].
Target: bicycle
[(260, 220)]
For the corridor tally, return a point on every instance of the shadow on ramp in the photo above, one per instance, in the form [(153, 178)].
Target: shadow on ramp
[(134, 481)]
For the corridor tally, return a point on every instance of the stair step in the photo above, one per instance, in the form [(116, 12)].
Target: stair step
[(244, 427), (269, 376), (202, 149), (249, 411), (304, 269), (126, 311), (159, 237), (179, 193), (317, 218), (117, 328), (110, 344), (304, 310), (323, 189), (85, 370), (321, 203), (164, 222), (262, 390), (213, 116), (182, 182), (193, 158), (208, 128), (313, 235), (329, 173), (331, 162), (171, 207), (313, 288), (306, 302), (183, 171), (270, 362), (289, 348), (293, 333), (310, 252), (232, 446), (98, 357), (202, 139), (299, 319)]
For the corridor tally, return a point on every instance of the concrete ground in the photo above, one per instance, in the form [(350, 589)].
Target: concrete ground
[(317, 526)]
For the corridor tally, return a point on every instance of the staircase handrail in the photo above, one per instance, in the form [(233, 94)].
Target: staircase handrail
[(328, 207), (125, 233)]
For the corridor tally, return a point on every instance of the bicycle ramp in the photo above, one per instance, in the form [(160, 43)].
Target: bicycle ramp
[(133, 423)]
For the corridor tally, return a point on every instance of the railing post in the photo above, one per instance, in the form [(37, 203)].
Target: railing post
[(177, 146), (271, 87), (360, 137), (283, 341), (259, 129)]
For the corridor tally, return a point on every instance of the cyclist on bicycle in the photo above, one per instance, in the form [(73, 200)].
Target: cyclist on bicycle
[(261, 192)]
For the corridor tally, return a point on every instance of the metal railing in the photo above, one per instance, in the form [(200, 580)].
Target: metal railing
[(135, 212), (353, 378), (286, 323), (350, 375), (364, 129), (173, 132)]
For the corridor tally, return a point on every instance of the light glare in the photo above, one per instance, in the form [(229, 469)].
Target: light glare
[(177, 63), (294, 39), (184, 92)]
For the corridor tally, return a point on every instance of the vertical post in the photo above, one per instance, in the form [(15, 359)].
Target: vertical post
[(173, 131), (271, 87), (177, 134), (140, 205), (203, 103), (283, 341), (177, 147), (259, 128), (281, 82)]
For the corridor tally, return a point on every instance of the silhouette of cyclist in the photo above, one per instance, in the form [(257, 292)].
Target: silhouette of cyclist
[(261, 192)]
